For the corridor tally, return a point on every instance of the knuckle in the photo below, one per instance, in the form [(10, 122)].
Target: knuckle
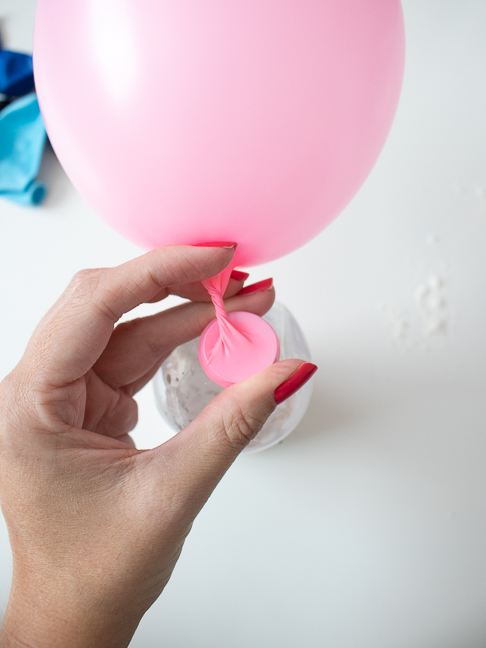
[(241, 426), (81, 286), (190, 270), (120, 416), (101, 298), (161, 270), (87, 285), (82, 277)]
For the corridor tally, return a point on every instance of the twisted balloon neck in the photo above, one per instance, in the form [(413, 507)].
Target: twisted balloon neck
[(216, 293), (235, 346)]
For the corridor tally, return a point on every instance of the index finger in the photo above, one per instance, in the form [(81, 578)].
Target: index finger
[(73, 334)]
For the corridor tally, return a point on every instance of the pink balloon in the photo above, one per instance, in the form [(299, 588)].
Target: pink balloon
[(191, 121)]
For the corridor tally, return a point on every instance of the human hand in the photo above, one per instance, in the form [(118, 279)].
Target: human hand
[(96, 526)]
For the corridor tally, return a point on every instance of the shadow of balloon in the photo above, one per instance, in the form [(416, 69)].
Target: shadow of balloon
[(327, 414), (53, 175)]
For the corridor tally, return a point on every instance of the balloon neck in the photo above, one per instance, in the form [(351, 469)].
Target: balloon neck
[(235, 346), (216, 287)]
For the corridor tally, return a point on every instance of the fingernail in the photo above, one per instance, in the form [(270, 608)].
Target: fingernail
[(220, 244), (295, 382), (260, 286), (237, 275)]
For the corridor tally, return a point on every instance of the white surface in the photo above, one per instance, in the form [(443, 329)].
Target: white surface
[(366, 528)]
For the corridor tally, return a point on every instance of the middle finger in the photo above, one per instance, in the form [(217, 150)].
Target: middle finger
[(197, 292), (139, 346)]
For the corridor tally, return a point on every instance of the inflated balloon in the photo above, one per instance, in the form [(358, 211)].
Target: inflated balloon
[(190, 121)]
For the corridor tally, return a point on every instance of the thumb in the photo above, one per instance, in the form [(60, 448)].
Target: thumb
[(202, 452)]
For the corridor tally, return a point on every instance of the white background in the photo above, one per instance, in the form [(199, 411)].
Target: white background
[(366, 528)]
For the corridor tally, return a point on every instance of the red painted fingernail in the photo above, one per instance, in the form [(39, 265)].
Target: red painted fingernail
[(260, 286), (221, 244), (295, 382), (239, 276)]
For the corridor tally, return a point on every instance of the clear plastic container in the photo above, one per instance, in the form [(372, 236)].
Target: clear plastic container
[(182, 389)]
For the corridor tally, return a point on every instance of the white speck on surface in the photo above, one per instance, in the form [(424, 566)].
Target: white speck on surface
[(421, 294), (427, 320), (433, 305), (436, 326), (398, 323), (481, 192), (435, 282), (437, 302), (459, 189), (433, 239), (401, 327)]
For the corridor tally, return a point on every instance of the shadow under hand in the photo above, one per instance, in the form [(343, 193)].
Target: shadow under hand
[(328, 414)]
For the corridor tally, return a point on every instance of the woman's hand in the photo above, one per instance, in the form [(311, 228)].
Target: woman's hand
[(96, 526)]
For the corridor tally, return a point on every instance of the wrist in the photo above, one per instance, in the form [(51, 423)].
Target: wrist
[(56, 617)]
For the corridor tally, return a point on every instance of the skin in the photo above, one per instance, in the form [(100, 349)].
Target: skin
[(95, 525)]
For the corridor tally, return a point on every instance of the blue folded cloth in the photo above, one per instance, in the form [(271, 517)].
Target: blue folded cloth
[(22, 141), (16, 73)]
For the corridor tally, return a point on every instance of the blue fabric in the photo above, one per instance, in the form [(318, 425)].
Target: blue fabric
[(22, 140), (16, 74)]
